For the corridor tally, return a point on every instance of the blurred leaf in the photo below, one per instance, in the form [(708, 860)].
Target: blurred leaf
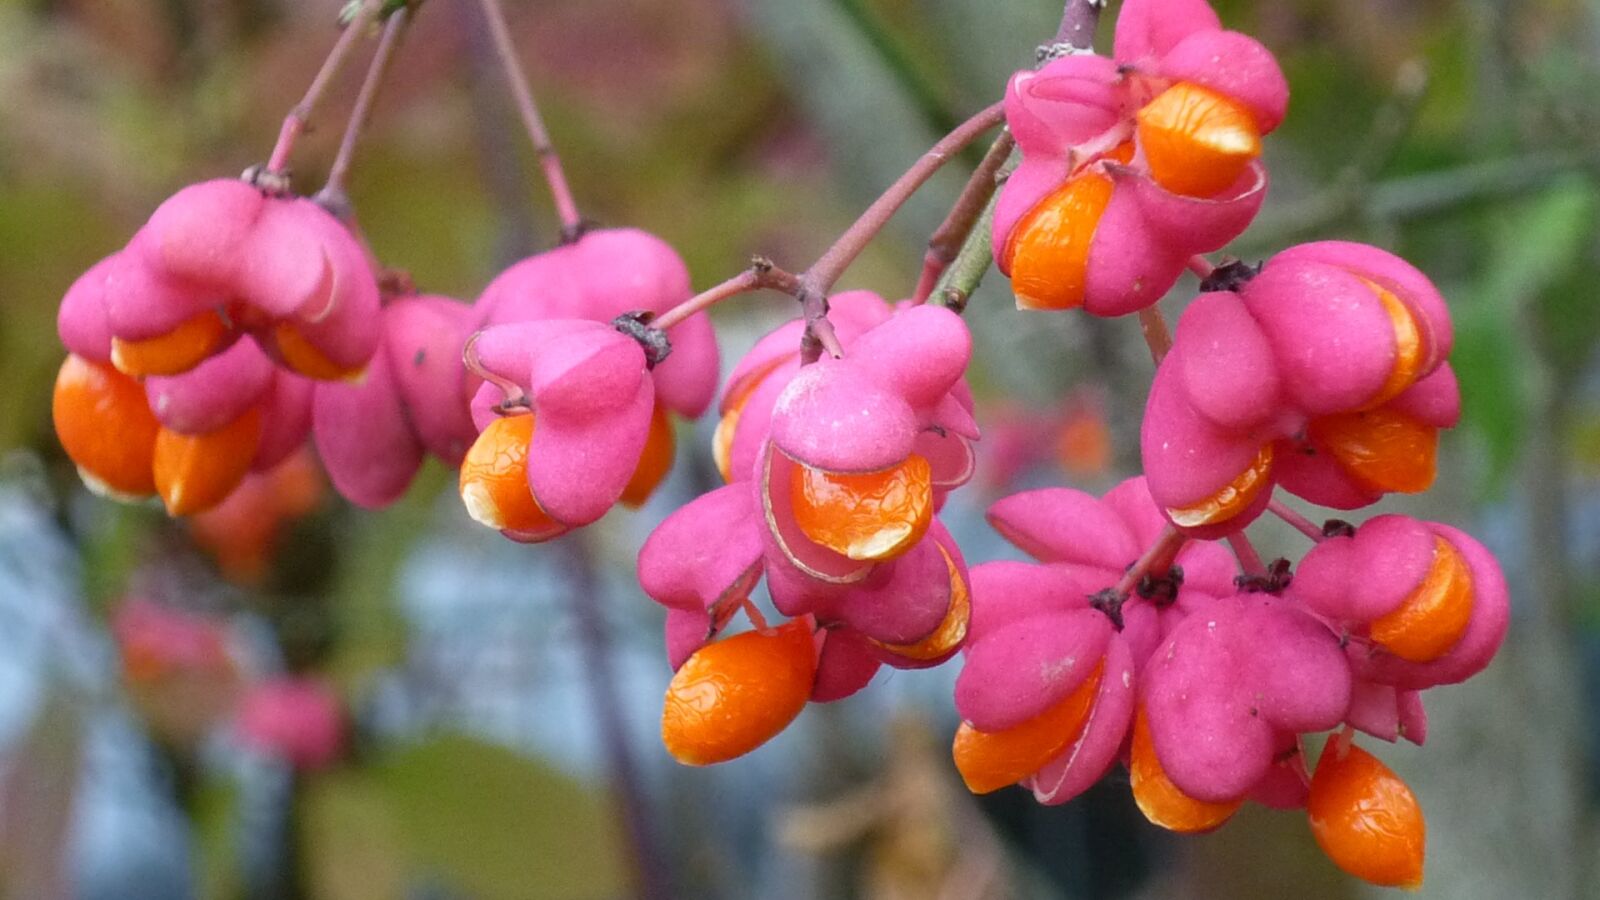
[(1532, 247), (464, 815)]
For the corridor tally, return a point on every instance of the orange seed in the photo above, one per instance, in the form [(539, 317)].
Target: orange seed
[(1381, 449), (990, 760), (179, 350), (736, 694), (494, 478), (1163, 802), (1234, 498), (1196, 141), (1435, 615), (1365, 818), (106, 427), (1047, 255), (195, 472), (872, 517)]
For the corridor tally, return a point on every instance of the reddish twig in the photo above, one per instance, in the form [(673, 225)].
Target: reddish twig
[(1301, 524), (762, 275), (958, 223), (1079, 20), (1199, 265), (549, 161), (1249, 558), (1156, 561), (820, 277), (294, 124)]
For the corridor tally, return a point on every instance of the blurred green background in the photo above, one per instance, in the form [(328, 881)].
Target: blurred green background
[(1463, 135)]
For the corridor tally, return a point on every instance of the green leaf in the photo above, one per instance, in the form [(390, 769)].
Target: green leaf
[(465, 815), (1533, 246)]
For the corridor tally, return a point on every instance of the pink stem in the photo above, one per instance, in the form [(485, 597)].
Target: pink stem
[(549, 160), (1157, 560), (1301, 524), (762, 274), (1249, 559), (294, 124), (819, 279), (1079, 19), (1201, 266), (1153, 325), (334, 190)]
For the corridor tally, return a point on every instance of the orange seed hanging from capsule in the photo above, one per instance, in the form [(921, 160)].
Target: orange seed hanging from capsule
[(195, 472), (494, 478), (1365, 818), (735, 694), (106, 427)]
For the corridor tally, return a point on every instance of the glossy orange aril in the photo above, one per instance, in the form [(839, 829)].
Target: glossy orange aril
[(1161, 801), (195, 472), (1234, 497), (952, 628), (1381, 449), (991, 760), (736, 694), (303, 357), (179, 350), (655, 460), (494, 478), (870, 517), (1365, 818), (106, 427), (1196, 141), (1435, 615), (1047, 255), (728, 425), (1407, 346)]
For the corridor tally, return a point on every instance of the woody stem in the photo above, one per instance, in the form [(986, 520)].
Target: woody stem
[(947, 240), (762, 274), (819, 279)]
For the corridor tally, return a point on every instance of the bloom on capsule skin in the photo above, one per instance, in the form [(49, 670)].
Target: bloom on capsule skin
[(221, 259), (1325, 373), (372, 435), (1131, 165), (1048, 691)]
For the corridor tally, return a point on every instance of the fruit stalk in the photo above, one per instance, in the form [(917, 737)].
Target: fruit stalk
[(334, 194), (549, 161), (295, 122)]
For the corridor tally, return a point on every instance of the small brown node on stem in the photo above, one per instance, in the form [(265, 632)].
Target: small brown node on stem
[(1162, 590), (1277, 578), (259, 177), (1338, 528), (1230, 276), (1109, 601)]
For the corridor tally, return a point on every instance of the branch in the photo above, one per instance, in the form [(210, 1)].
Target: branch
[(1079, 21), (972, 204), (762, 275)]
